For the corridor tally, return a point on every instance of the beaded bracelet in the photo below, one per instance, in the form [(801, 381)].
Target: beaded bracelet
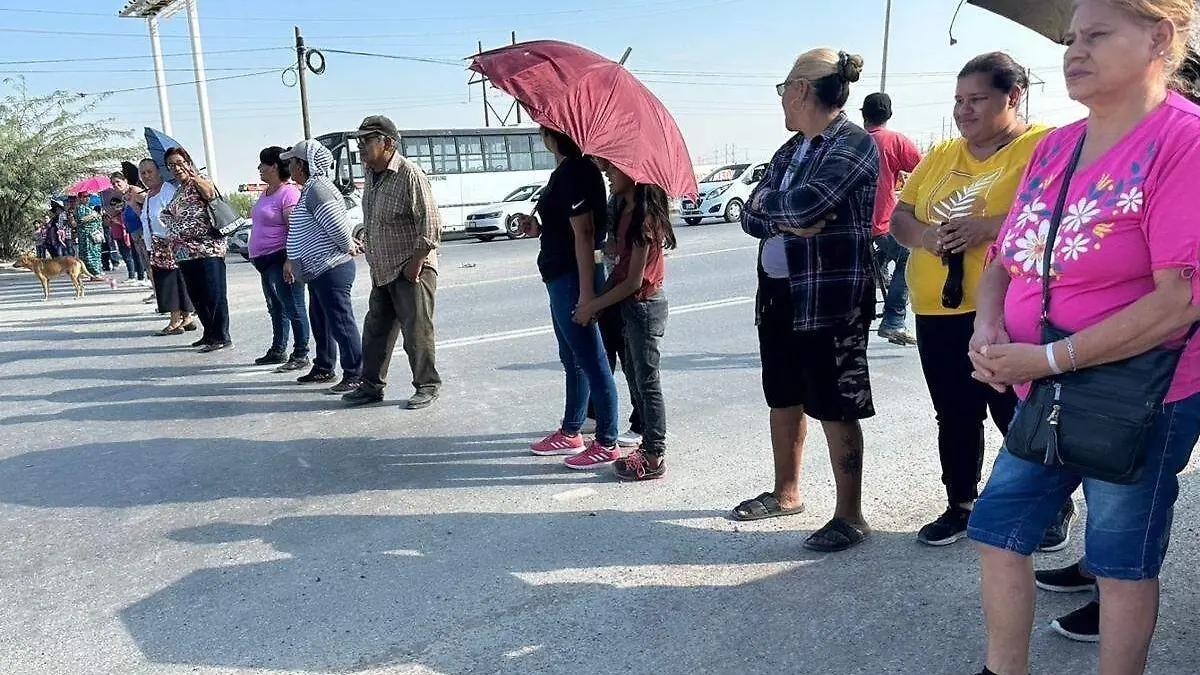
[(1071, 353)]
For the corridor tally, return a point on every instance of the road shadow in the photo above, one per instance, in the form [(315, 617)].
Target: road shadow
[(697, 361), (170, 470), (136, 374), (580, 593), (148, 391), (52, 352)]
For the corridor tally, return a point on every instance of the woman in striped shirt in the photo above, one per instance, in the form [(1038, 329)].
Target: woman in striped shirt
[(320, 252)]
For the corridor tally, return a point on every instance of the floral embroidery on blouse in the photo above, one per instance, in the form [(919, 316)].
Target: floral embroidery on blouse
[(1085, 223)]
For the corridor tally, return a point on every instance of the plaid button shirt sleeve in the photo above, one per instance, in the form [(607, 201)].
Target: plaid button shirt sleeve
[(830, 273), (846, 161)]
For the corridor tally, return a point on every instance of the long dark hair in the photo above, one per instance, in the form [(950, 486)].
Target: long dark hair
[(651, 221), (566, 147)]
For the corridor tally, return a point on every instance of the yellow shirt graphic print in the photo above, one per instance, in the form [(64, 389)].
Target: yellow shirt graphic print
[(950, 184)]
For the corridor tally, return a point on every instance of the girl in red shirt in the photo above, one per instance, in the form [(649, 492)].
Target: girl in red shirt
[(635, 287)]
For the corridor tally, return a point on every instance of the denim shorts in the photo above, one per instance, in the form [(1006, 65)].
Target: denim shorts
[(1128, 526)]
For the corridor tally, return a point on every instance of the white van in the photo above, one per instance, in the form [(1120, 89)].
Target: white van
[(723, 193)]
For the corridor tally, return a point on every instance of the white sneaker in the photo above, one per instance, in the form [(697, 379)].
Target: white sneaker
[(629, 439)]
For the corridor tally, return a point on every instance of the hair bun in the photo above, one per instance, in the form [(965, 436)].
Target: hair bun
[(850, 66)]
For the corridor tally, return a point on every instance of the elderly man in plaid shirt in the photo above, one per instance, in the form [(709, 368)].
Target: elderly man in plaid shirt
[(403, 230)]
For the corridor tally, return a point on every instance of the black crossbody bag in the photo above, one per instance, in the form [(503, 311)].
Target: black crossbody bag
[(1093, 422)]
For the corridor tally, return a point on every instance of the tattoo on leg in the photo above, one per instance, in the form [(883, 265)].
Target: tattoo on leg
[(851, 462)]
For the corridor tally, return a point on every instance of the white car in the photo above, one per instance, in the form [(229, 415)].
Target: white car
[(501, 218), (723, 193)]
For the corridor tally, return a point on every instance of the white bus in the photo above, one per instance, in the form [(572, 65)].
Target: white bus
[(467, 168)]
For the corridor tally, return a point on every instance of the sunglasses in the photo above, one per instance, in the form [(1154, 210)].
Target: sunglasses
[(782, 87)]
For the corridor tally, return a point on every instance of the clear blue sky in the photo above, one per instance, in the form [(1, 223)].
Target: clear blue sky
[(713, 62)]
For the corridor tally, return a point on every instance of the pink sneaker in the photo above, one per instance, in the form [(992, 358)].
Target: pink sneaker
[(595, 456), (558, 443)]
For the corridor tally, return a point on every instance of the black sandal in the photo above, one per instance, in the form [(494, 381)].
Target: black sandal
[(762, 507), (837, 535)]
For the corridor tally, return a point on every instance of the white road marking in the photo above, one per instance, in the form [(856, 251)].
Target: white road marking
[(527, 277), (578, 493), (523, 651), (546, 330)]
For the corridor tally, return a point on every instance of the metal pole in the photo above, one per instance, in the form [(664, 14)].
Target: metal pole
[(160, 76), (487, 117), (210, 154), (1028, 91), (625, 56), (518, 103), (887, 32), (300, 68)]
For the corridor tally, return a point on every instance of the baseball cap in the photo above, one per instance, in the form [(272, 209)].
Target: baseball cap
[(376, 124), (299, 150), (877, 106)]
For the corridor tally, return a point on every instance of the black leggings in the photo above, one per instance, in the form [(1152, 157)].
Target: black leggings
[(961, 402)]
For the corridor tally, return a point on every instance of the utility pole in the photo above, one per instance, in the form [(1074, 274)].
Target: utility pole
[(487, 116), (210, 153), (887, 31), (301, 67), (517, 104), (160, 77)]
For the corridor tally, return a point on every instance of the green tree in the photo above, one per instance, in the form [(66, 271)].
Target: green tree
[(48, 142), (242, 203)]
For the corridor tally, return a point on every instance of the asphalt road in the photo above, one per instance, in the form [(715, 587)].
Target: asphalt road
[(167, 512)]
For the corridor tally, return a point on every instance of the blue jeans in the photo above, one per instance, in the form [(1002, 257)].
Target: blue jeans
[(1128, 526), (581, 351), (133, 263), (285, 304), (334, 328), (895, 301)]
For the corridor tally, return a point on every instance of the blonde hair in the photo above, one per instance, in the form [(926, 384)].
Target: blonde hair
[(1181, 14), (831, 72)]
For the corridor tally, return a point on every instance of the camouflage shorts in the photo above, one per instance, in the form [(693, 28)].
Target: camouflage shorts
[(824, 371)]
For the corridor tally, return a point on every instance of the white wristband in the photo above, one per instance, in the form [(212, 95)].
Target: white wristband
[(1050, 358)]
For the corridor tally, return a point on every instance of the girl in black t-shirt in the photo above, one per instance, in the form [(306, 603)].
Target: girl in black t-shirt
[(572, 221)]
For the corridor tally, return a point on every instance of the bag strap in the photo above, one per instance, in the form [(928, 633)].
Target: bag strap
[(1052, 234), (1055, 221)]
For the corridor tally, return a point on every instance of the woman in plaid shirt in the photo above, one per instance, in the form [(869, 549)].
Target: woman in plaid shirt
[(812, 212)]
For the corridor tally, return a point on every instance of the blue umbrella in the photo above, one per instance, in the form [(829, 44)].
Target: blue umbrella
[(158, 143)]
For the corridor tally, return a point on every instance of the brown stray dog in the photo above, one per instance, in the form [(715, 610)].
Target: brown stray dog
[(46, 269)]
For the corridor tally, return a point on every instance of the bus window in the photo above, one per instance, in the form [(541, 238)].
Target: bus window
[(495, 154), (445, 155), (418, 151), (520, 156), (470, 154), (345, 173)]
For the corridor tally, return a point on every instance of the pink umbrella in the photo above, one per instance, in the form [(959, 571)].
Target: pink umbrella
[(91, 185), (599, 104)]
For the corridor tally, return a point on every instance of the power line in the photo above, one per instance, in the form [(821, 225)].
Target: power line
[(673, 4), (178, 84), (416, 59), (139, 56)]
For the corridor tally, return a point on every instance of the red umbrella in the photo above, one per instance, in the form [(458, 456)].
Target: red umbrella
[(92, 185), (599, 104)]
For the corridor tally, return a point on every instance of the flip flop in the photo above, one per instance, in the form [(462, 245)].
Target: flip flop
[(762, 507), (837, 535)]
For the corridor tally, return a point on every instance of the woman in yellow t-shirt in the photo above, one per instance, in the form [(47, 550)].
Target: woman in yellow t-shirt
[(950, 211)]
